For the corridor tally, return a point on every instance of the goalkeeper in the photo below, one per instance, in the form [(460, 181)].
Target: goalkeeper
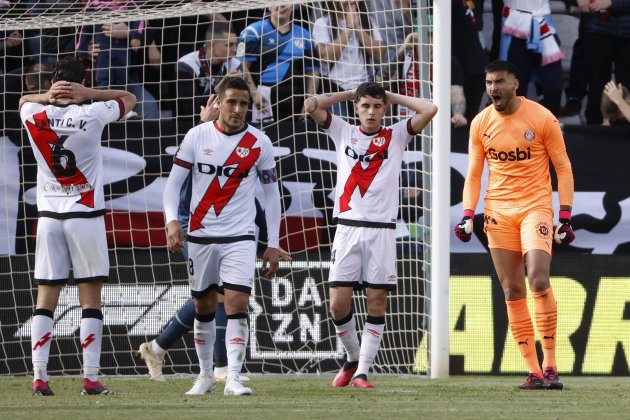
[(518, 137)]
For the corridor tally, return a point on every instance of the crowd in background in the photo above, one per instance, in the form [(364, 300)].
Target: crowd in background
[(286, 53)]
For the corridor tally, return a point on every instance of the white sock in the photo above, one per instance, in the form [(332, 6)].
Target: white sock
[(347, 333), (236, 338), (204, 336), (91, 334), (370, 342), (159, 351), (41, 337)]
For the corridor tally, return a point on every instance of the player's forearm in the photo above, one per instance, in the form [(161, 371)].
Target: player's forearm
[(472, 185), (419, 105), (272, 214), (38, 98), (564, 172), (325, 100), (170, 198), (107, 94)]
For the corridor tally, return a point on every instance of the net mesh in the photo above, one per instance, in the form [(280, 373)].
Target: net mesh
[(291, 329)]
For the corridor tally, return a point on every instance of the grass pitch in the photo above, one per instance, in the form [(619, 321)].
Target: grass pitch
[(312, 397)]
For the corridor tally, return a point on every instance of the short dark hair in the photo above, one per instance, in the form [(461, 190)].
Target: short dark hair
[(501, 65), (372, 89), (216, 29), (69, 69), (232, 82)]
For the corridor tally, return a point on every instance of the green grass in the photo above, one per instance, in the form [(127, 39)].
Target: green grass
[(311, 397)]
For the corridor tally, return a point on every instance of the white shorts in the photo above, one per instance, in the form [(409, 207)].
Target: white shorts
[(363, 257), (227, 265), (77, 243)]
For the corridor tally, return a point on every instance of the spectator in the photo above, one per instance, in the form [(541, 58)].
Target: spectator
[(577, 88), (606, 44), (11, 49), (278, 56), (410, 84), (467, 50), (348, 42), (199, 72), (111, 44), (615, 105), (458, 98), (397, 17), (38, 78), (530, 42), (168, 40)]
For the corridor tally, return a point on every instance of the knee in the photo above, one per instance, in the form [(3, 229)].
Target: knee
[(514, 290), (538, 282), (339, 310)]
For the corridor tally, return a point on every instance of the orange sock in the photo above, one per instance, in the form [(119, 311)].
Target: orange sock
[(523, 333), (546, 323)]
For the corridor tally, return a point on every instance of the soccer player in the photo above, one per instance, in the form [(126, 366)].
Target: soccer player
[(154, 351), (369, 160), (518, 137), (65, 136), (226, 157)]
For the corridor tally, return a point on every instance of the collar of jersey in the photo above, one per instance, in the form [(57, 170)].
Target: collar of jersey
[(370, 134), (220, 130)]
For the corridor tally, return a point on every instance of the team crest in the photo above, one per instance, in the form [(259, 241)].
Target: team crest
[(240, 49), (207, 151), (299, 43), (529, 135), (242, 152), (543, 231), (378, 141)]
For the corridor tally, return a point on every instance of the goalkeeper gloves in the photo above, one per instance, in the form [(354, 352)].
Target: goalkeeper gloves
[(563, 233), (464, 229)]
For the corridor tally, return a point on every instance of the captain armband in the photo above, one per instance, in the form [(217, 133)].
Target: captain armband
[(268, 176)]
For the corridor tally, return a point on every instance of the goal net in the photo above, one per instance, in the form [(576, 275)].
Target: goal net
[(165, 52)]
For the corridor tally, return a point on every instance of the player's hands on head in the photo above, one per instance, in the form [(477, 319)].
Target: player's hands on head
[(270, 262), (174, 236), (563, 233), (464, 229), (64, 93)]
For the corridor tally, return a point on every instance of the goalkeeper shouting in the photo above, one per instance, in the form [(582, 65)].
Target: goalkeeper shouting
[(518, 137)]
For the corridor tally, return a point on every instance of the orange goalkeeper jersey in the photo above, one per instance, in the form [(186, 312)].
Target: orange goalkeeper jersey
[(518, 149)]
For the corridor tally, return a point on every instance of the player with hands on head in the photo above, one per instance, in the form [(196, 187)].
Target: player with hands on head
[(221, 231), (518, 137), (369, 162), (65, 136)]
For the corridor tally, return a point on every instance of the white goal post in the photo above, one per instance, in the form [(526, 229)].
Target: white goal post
[(291, 328)]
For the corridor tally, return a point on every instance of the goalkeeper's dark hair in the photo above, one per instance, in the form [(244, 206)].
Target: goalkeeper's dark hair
[(69, 69), (372, 89), (501, 65), (232, 82)]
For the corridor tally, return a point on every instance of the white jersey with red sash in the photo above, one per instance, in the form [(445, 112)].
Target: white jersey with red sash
[(368, 170), (66, 142), (225, 170)]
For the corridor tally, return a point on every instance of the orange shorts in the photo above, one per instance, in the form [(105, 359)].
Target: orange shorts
[(519, 229)]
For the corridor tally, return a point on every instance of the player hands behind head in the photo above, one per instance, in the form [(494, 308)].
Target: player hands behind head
[(221, 229), (518, 137), (363, 254), (70, 204)]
